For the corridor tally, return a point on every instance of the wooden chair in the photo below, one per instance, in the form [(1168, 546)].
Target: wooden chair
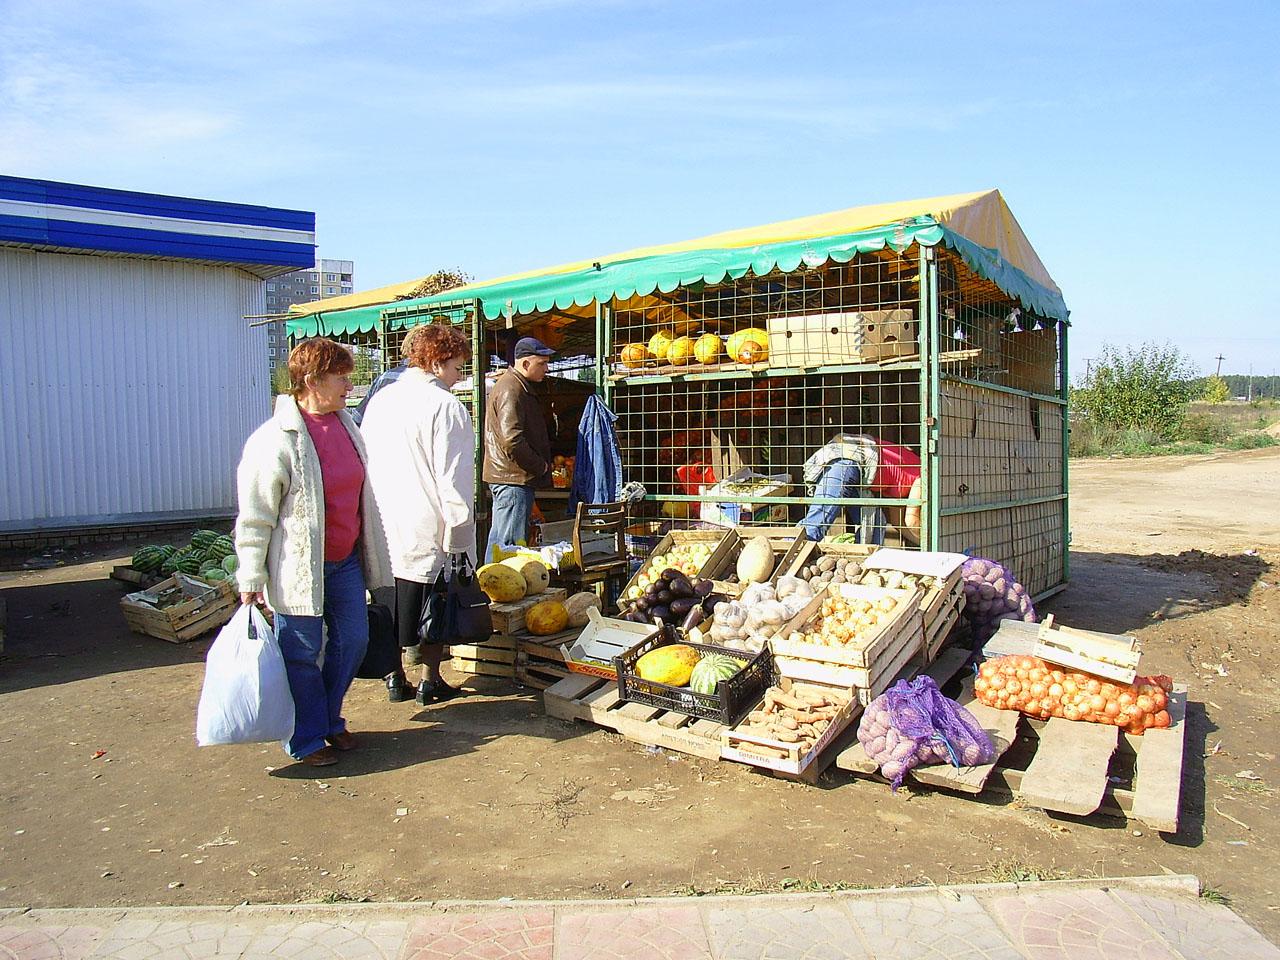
[(599, 546)]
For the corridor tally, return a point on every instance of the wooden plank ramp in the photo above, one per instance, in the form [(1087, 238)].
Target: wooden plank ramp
[(1158, 771), (1069, 771), (596, 701)]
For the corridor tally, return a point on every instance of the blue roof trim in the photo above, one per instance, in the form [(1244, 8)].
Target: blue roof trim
[(153, 204), (161, 243)]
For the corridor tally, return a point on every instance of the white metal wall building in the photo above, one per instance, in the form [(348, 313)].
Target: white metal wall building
[(129, 378)]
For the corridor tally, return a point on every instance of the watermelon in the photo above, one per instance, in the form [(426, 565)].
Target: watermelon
[(221, 548), (186, 561), (231, 564), (202, 540), (210, 565), (214, 574), (168, 549), (148, 559), (710, 670), (170, 565)]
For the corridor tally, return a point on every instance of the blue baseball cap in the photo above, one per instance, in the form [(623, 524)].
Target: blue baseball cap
[(532, 347)]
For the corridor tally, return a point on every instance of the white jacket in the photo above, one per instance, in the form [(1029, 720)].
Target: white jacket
[(280, 526), (422, 469)]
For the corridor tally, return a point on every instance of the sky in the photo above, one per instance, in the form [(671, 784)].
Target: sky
[(1136, 143)]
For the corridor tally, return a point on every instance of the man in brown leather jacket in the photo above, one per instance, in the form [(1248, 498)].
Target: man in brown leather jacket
[(517, 450)]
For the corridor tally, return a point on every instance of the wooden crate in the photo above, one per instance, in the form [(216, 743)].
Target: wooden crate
[(204, 608), (865, 654), (725, 546), (593, 700), (757, 751), (496, 657), (540, 662), (508, 618), (1075, 767)]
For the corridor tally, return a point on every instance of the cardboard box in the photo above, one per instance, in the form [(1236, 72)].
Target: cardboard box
[(862, 336), (729, 514)]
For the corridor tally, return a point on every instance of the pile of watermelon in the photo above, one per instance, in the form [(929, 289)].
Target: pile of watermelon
[(210, 556)]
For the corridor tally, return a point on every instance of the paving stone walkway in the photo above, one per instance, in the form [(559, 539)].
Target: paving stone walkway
[(1158, 918)]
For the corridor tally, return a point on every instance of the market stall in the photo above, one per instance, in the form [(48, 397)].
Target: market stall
[(925, 338)]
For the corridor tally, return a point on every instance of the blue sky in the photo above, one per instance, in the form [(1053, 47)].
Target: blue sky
[(1136, 143)]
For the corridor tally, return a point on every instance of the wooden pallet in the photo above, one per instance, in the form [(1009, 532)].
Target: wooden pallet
[(540, 660), (496, 657), (596, 701), (1076, 768)]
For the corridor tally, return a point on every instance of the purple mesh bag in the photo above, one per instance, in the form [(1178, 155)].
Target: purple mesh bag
[(913, 725), (991, 594)]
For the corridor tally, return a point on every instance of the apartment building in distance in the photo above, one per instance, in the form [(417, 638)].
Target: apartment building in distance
[(329, 278)]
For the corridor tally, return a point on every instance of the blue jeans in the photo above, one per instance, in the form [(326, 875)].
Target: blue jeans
[(840, 478), (512, 509), (318, 691)]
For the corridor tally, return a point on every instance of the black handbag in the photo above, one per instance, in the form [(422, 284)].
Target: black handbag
[(467, 616), (383, 654)]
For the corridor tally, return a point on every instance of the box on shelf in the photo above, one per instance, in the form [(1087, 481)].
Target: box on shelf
[(179, 608), (820, 339), (732, 699), (745, 483), (508, 618)]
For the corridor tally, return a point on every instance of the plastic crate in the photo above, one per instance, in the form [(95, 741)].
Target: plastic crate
[(729, 704)]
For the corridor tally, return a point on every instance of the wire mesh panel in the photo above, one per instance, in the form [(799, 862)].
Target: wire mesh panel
[(461, 315), (1029, 539)]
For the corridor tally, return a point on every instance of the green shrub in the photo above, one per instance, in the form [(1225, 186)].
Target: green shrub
[(1148, 387), (1215, 390), (1202, 428)]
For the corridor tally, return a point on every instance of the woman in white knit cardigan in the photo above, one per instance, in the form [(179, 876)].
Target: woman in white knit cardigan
[(310, 541)]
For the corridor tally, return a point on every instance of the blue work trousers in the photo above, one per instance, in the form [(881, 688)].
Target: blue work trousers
[(318, 691), (842, 479), (512, 511)]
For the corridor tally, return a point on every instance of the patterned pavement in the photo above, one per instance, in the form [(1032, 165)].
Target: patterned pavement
[(1138, 919)]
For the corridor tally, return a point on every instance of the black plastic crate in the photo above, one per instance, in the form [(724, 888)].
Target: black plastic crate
[(731, 701)]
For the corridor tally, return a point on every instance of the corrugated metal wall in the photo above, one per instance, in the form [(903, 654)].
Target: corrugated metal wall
[(127, 387)]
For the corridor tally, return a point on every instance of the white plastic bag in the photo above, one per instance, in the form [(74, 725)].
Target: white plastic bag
[(246, 696)]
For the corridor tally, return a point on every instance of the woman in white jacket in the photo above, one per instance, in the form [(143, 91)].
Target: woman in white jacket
[(422, 468), (310, 541)]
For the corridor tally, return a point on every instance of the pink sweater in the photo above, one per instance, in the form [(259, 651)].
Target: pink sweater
[(343, 475)]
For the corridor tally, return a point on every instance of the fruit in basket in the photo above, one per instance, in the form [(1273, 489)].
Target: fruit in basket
[(536, 576), (681, 350), (710, 670), (755, 561), (753, 335), (148, 559), (659, 344), (707, 348), (672, 664), (634, 355), (546, 617), (500, 583)]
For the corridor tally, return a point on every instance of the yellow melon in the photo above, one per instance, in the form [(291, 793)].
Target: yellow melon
[(546, 617), (534, 572), (659, 344), (501, 583), (634, 355), (707, 348), (577, 607), (681, 350), (672, 664), (737, 349)]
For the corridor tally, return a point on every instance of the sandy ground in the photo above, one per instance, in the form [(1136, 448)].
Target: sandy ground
[(487, 798)]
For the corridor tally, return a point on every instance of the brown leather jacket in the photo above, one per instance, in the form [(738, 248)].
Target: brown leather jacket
[(516, 446)]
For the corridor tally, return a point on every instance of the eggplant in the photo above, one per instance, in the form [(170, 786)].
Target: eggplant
[(660, 612), (694, 617), (681, 587), (703, 588), (669, 574), (710, 602), (665, 596), (635, 616), (680, 606), (641, 603)]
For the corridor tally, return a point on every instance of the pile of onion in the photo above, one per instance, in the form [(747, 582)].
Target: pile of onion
[(1040, 689)]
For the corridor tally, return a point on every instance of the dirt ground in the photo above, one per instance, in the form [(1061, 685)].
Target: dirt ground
[(487, 798)]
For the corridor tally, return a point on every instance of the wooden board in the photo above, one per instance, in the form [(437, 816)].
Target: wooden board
[(477, 668), (596, 701), (206, 608), (1158, 774), (1000, 725), (1069, 771), (1101, 654)]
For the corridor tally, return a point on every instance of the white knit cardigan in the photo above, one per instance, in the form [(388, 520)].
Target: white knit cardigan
[(280, 526)]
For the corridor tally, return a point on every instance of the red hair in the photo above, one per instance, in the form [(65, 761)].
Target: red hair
[(433, 343), (315, 358)]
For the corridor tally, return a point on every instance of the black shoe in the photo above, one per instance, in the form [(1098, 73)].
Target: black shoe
[(435, 691), (424, 697), (398, 689)]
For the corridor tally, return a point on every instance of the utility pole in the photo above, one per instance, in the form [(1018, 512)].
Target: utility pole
[(1219, 358)]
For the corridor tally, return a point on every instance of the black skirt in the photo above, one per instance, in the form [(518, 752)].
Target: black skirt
[(409, 598)]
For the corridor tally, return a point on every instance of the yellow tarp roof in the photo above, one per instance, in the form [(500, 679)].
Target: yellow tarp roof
[(983, 218)]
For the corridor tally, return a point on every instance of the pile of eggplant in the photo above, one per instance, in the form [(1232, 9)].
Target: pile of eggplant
[(674, 599)]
